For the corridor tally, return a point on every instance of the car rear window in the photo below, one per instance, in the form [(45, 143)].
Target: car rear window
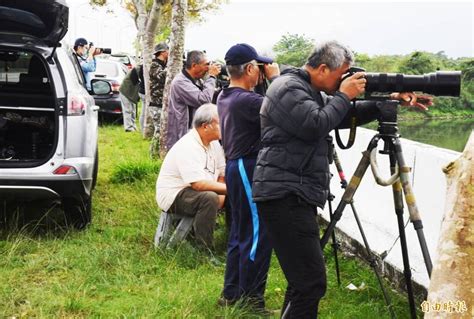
[(121, 59), (108, 69), (14, 64), (23, 72)]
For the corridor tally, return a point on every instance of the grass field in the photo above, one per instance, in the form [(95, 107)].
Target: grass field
[(111, 270)]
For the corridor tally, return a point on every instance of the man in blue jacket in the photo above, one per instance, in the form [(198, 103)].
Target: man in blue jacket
[(248, 251), (86, 56)]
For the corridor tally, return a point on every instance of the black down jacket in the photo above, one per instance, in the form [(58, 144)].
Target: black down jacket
[(295, 122)]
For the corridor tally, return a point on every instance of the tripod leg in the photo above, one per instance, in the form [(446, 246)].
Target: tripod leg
[(373, 263), (398, 201), (411, 203), (370, 255), (335, 244), (350, 191)]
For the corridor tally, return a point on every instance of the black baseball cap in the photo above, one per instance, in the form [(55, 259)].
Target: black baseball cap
[(80, 42), (242, 53)]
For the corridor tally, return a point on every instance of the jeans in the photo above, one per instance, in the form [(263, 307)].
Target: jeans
[(129, 113)]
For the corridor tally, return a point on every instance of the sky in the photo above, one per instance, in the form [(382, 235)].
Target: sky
[(110, 27), (372, 27)]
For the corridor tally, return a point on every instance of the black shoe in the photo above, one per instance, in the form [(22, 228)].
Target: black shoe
[(224, 302), (266, 312)]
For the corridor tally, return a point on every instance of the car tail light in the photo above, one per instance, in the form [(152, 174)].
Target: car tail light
[(65, 170), (129, 66), (115, 86), (76, 104)]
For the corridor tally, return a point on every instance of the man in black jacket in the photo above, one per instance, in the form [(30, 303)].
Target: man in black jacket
[(291, 177)]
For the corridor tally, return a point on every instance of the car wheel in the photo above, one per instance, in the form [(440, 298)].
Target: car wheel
[(78, 213), (96, 169)]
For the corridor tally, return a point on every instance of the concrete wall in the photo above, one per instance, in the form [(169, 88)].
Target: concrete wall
[(374, 203)]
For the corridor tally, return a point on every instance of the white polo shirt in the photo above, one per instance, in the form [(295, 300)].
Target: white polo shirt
[(188, 161)]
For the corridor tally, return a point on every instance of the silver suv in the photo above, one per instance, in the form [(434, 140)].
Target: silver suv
[(48, 120)]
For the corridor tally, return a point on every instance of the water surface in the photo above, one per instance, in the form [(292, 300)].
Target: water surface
[(450, 134)]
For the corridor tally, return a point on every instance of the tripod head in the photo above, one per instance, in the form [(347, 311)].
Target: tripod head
[(388, 124)]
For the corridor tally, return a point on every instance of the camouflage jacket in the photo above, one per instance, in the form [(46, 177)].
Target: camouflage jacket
[(157, 82)]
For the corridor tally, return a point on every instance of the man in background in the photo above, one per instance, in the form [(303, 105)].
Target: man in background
[(189, 90), (129, 97), (157, 84), (86, 56)]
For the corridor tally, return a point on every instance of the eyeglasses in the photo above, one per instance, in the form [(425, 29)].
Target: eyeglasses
[(210, 164), (258, 65)]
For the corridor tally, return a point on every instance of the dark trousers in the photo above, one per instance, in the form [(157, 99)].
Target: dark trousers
[(294, 234), (248, 250), (203, 206)]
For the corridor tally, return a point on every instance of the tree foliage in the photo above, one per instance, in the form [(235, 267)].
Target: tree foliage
[(419, 63), (293, 49), (153, 19)]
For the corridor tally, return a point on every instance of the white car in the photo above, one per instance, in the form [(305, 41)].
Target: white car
[(113, 72), (48, 120)]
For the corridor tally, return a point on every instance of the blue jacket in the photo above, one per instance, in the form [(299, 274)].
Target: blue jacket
[(88, 67)]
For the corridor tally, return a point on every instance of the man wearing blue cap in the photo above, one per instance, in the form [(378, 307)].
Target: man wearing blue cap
[(248, 252), (86, 56)]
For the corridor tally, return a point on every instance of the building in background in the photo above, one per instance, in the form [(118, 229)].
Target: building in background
[(107, 27)]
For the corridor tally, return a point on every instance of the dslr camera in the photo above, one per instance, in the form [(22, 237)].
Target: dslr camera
[(101, 50), (222, 79)]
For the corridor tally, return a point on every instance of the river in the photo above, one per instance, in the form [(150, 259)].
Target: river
[(450, 134)]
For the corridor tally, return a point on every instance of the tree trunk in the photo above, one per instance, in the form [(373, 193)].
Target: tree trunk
[(175, 65), (452, 279), (147, 24)]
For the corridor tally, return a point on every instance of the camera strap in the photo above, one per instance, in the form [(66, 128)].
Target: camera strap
[(352, 132)]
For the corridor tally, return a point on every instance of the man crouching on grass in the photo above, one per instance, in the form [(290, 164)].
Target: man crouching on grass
[(191, 179)]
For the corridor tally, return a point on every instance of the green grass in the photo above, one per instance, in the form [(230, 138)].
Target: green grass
[(111, 270)]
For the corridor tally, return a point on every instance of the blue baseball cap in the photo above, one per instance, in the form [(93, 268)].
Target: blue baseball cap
[(80, 42), (242, 53)]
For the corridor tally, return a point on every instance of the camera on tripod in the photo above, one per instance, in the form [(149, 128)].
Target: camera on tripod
[(440, 83), (101, 50)]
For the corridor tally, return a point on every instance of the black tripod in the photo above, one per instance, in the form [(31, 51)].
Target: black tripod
[(335, 245), (388, 133)]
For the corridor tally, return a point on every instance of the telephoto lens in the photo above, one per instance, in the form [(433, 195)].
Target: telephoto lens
[(440, 83)]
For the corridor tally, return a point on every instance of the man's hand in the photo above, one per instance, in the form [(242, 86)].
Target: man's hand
[(411, 99), (353, 85), (221, 201), (214, 69), (207, 185), (271, 70), (91, 52)]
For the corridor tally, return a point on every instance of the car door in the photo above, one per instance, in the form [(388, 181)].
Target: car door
[(80, 119)]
